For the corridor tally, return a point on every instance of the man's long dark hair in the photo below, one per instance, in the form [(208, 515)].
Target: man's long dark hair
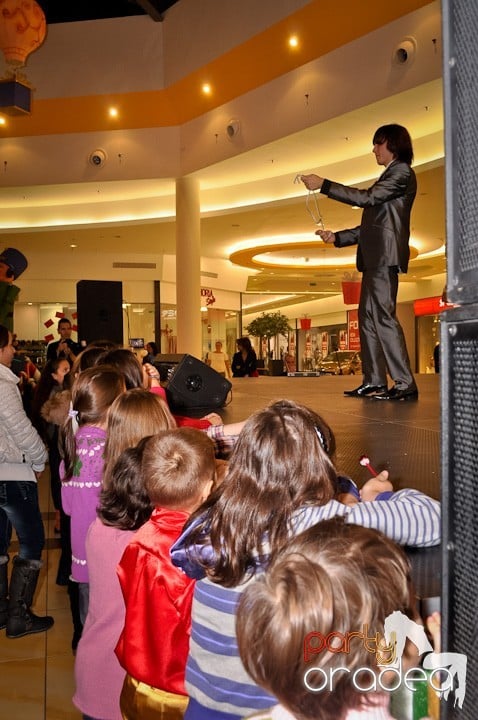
[(398, 141)]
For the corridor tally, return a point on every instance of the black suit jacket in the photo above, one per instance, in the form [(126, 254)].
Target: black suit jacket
[(384, 232)]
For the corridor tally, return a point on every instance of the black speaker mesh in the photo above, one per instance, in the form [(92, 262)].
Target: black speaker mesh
[(460, 29), (459, 386)]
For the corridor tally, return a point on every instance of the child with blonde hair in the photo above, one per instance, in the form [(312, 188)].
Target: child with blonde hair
[(134, 415)]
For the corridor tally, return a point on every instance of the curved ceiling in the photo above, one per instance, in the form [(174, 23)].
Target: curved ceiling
[(252, 212)]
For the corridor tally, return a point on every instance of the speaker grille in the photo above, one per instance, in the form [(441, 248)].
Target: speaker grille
[(459, 387), (460, 30)]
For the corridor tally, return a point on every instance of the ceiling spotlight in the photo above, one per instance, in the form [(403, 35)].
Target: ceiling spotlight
[(113, 112), (293, 41), (206, 88)]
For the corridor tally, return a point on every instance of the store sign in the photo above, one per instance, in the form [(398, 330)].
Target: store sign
[(430, 306), (209, 295), (343, 340), (353, 330)]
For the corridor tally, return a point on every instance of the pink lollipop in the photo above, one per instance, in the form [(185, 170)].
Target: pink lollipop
[(365, 461)]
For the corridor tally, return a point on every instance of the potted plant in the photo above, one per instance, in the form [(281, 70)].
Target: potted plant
[(270, 325)]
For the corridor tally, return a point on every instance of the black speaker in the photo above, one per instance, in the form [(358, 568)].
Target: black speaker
[(195, 385), (460, 74), (99, 305), (459, 349), (459, 396)]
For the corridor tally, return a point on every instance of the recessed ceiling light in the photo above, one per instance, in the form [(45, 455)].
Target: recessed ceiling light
[(73, 245), (293, 41), (3, 121), (206, 88), (113, 112)]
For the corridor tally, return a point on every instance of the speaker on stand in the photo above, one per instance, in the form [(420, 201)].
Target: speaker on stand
[(99, 306)]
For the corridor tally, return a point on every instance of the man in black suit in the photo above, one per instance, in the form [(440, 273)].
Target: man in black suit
[(65, 347), (383, 252)]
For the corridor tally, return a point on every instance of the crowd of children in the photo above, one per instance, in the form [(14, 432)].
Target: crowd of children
[(170, 547)]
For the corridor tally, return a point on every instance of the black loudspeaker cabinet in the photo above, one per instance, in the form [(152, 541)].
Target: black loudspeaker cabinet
[(193, 384), (99, 306), (460, 75), (459, 398)]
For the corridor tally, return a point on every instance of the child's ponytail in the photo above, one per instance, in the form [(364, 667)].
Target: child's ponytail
[(93, 392)]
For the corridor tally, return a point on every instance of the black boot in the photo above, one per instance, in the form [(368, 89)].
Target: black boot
[(21, 621), (3, 590), (74, 596)]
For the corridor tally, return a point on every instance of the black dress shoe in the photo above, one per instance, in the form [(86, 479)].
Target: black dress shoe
[(398, 394), (366, 389)]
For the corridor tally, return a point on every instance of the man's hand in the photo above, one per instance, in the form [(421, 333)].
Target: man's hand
[(312, 182), (326, 235)]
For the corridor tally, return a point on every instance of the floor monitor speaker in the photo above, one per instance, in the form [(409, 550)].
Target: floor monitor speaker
[(193, 384), (100, 311)]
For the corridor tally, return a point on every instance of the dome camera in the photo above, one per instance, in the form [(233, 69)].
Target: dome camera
[(97, 158), (404, 52), (232, 129)]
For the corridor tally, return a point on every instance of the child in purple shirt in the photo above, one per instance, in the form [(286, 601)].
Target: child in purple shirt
[(84, 437)]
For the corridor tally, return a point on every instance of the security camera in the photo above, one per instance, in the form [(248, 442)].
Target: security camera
[(404, 52), (97, 158), (232, 129)]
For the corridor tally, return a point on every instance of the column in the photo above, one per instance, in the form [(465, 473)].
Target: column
[(188, 268)]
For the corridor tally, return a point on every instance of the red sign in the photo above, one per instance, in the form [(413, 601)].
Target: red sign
[(430, 306), (353, 330), (343, 340), (209, 295)]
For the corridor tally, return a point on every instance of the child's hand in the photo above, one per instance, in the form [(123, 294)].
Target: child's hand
[(433, 624), (150, 376), (214, 418), (375, 486)]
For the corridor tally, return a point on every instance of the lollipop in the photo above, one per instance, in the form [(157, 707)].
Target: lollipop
[(365, 461)]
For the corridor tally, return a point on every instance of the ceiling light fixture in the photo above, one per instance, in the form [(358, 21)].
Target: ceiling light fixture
[(113, 112), (206, 88), (293, 41)]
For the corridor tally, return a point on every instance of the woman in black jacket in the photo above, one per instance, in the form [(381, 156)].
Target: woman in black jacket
[(244, 361)]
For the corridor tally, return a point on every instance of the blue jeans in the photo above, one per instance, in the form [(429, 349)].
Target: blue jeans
[(19, 508)]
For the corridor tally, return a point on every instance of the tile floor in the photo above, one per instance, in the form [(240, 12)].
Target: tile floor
[(36, 672)]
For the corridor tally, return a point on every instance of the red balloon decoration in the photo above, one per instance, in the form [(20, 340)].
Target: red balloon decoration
[(22, 30)]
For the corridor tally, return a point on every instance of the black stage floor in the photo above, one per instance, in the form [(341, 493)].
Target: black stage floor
[(401, 437)]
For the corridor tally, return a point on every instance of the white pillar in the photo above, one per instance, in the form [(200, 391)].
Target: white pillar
[(188, 267)]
